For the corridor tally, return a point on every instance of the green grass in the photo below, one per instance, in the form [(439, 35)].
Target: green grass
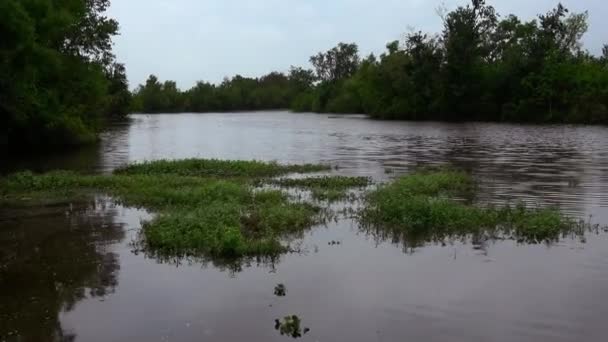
[(217, 168), (195, 215), (420, 207), (202, 211), (329, 188), (228, 229), (430, 183)]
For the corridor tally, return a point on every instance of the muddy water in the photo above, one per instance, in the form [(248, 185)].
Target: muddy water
[(68, 272)]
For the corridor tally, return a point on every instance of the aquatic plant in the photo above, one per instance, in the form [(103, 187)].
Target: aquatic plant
[(280, 290), (325, 188), (218, 168), (334, 182), (422, 207), (290, 326), (196, 212)]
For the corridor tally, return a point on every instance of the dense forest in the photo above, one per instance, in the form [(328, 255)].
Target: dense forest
[(59, 81), (482, 66)]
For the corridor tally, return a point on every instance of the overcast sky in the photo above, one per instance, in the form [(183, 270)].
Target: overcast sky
[(190, 40)]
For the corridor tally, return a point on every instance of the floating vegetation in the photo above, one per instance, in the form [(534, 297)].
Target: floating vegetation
[(228, 218), (280, 290), (421, 207), (218, 168), (290, 326), (195, 215), (326, 188), (333, 182)]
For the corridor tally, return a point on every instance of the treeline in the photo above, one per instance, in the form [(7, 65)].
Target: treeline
[(480, 67), (59, 81), (272, 91)]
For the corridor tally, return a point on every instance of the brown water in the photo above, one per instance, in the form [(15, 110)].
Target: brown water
[(68, 272)]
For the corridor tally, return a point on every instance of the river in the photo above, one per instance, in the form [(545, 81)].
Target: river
[(70, 272)]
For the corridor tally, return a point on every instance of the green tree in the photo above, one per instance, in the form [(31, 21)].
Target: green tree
[(337, 63), (465, 36), (54, 80)]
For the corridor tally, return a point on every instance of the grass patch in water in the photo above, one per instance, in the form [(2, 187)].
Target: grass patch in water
[(329, 188), (290, 326), (420, 207), (228, 229), (196, 215), (217, 168)]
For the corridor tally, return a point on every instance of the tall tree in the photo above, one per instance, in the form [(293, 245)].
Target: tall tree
[(337, 63), (56, 67), (466, 38)]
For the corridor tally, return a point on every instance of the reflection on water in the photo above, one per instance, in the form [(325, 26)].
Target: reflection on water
[(108, 154), (51, 258), (74, 273)]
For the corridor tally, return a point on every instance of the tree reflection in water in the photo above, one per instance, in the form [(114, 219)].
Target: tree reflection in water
[(50, 259)]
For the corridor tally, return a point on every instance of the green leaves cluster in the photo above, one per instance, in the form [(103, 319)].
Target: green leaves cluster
[(58, 76), (421, 207)]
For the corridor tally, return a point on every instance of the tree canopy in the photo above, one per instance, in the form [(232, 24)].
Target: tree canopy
[(60, 81), (58, 77), (481, 66)]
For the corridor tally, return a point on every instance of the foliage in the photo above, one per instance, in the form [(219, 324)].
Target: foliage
[(273, 91), (329, 188), (197, 213), (280, 290), (336, 182), (219, 168), (58, 77), (336, 64), (480, 67), (59, 81), (420, 207), (290, 326)]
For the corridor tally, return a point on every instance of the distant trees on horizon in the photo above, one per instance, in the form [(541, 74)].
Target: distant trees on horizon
[(480, 67)]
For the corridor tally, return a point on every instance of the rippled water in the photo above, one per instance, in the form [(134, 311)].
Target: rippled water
[(69, 273)]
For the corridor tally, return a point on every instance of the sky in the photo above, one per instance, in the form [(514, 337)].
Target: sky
[(191, 40)]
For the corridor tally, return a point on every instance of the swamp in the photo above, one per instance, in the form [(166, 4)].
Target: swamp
[(311, 227)]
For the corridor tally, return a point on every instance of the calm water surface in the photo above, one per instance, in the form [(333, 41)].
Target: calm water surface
[(67, 272)]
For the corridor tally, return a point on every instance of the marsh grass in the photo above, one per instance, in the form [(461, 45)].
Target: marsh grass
[(218, 168), (421, 207), (325, 188), (195, 214), (200, 211), (290, 326)]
